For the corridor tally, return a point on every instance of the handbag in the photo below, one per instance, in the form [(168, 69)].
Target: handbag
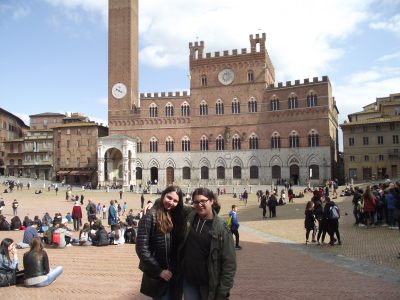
[(8, 277), (153, 287)]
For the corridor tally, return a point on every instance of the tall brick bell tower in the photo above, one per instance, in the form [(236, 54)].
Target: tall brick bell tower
[(116, 162), (122, 61)]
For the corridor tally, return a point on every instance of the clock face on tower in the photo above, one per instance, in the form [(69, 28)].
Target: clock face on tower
[(119, 90), (226, 76)]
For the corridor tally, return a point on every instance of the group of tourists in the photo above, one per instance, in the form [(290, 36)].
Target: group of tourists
[(322, 217), (377, 205)]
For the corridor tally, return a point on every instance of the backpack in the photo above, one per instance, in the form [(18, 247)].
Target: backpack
[(334, 213), (228, 222), (56, 238)]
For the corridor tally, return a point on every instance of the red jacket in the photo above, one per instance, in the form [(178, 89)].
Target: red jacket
[(77, 212), (369, 204)]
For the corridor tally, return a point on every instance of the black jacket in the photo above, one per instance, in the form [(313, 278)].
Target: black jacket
[(36, 265), (152, 246), (100, 238)]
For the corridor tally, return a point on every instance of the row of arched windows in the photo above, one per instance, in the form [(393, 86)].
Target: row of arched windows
[(252, 106), (236, 142), (236, 172)]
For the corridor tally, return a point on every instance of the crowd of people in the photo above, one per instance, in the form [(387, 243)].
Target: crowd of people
[(377, 205)]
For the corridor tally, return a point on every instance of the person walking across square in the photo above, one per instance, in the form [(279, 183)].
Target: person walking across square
[(235, 226)]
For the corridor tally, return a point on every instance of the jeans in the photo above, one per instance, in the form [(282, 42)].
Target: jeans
[(15, 211), (391, 219), (194, 292), (77, 224), (52, 276)]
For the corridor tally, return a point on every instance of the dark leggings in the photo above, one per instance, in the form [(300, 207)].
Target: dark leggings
[(235, 232), (322, 228)]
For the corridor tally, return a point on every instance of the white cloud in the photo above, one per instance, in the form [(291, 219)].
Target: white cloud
[(17, 9), (73, 8), (361, 91), (299, 41), (387, 57), (392, 24)]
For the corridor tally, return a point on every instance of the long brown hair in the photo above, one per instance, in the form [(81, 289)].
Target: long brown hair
[(163, 217), (36, 246)]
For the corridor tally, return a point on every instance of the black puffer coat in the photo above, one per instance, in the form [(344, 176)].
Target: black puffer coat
[(152, 246)]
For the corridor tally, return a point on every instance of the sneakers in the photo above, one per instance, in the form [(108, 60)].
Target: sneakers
[(238, 247)]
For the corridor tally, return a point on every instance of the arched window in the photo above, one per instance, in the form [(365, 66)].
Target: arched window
[(250, 76), (169, 144), (294, 140), (203, 108), (185, 144), (153, 145), (252, 105), (253, 172), (253, 142), (274, 104), (220, 172), (139, 173), (203, 143), (220, 143), (313, 172), (293, 102), (311, 99), (169, 110), (204, 172), (275, 141), (186, 173), (237, 172), (219, 107), (313, 139), (153, 110), (204, 80), (235, 106), (185, 109), (139, 146), (276, 172), (236, 142)]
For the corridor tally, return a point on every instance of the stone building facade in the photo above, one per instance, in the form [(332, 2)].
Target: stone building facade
[(371, 141), (11, 128), (75, 150), (236, 126)]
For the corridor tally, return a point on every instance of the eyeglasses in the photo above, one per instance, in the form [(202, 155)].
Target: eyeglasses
[(201, 202)]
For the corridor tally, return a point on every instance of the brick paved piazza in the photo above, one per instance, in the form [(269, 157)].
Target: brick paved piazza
[(273, 264)]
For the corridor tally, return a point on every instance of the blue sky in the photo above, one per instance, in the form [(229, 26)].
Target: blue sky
[(53, 54)]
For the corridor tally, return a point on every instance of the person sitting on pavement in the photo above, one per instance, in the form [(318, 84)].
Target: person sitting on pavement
[(4, 225), (98, 234), (84, 239), (37, 269), (26, 222), (36, 218), (29, 233), (117, 236), (47, 220), (16, 223), (8, 262)]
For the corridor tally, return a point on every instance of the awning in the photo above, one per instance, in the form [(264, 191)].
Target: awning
[(88, 173), (63, 172)]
